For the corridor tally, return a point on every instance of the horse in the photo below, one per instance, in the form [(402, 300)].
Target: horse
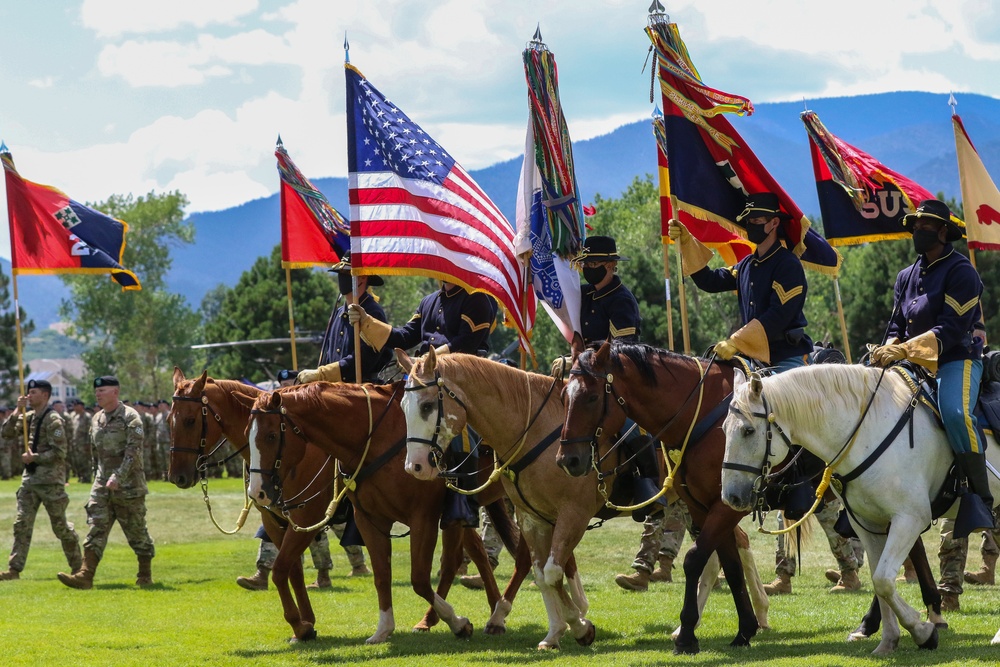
[(668, 393), (520, 414), (205, 412), (286, 423), (866, 424)]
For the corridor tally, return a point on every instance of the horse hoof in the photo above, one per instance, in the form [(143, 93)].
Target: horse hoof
[(308, 636), (465, 631), (943, 625), (495, 629), (932, 641), (857, 636), (740, 642), (589, 636), (687, 649), (421, 627), (545, 646)]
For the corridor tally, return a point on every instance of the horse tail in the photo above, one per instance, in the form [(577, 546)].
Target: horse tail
[(508, 531), (800, 537)]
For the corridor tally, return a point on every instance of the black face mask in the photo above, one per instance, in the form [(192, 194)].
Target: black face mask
[(756, 234), (594, 274), (345, 284), (924, 240)]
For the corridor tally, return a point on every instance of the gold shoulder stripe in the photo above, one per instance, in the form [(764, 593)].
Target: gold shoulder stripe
[(961, 309), (783, 295), (734, 271), (472, 325), (620, 333)]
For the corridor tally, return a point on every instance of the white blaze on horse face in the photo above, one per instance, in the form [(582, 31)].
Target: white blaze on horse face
[(256, 480), (741, 448), (418, 454)]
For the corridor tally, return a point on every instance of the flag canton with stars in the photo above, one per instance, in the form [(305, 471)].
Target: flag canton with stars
[(388, 139)]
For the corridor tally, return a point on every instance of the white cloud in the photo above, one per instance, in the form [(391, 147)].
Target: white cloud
[(111, 18), (44, 82)]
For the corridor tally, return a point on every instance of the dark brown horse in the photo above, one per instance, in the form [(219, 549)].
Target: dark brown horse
[(669, 394), (363, 428), (520, 415), (204, 413)]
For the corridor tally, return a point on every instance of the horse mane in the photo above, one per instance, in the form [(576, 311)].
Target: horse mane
[(802, 393), (315, 395), (486, 372), (645, 358)]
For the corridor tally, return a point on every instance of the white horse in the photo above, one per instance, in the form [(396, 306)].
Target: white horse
[(825, 408)]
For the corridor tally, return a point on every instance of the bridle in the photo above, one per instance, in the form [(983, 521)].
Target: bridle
[(763, 471), (203, 461), (283, 422), (436, 456)]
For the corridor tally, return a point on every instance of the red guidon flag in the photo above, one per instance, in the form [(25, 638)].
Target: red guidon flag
[(980, 197)]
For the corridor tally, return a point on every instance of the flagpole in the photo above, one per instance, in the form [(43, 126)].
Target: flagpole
[(357, 331), (666, 282), (291, 317), (843, 322), (20, 358), (524, 309), (686, 335)]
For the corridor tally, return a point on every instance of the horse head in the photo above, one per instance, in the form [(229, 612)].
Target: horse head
[(275, 443), (590, 416), (751, 449), (434, 414), (190, 428)]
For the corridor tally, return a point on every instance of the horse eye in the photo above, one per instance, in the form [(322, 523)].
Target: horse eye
[(271, 437), (189, 421), (425, 409), (748, 431), (592, 398)]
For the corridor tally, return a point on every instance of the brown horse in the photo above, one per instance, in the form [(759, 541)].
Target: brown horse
[(205, 412), (520, 414), (363, 427), (667, 394)]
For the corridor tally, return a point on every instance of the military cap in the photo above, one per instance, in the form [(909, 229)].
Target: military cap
[(285, 374), (934, 209), (163, 401), (106, 381), (44, 385), (57, 402), (762, 204)]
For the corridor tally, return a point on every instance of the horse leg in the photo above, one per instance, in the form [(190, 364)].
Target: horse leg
[(567, 534), (705, 584), (423, 539), (288, 565), (380, 554), (497, 623), (451, 559), (755, 587), (929, 592), (473, 544), (538, 535), (870, 622), (576, 586), (732, 564)]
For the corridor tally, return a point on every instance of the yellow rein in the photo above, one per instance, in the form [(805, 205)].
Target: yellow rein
[(243, 513)]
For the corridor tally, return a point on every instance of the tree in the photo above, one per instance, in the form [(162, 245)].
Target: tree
[(137, 335), (9, 374)]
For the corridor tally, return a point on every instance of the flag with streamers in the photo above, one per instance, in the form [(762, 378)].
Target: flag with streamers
[(313, 233), (980, 197), (712, 169), (51, 233), (416, 211), (861, 200)]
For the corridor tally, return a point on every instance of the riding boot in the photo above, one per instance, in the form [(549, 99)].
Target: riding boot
[(352, 536), (638, 581), (663, 573), (848, 583), (322, 579), (782, 585), (987, 575), (144, 577), (645, 486), (83, 578), (949, 602), (975, 511), (460, 506), (258, 582)]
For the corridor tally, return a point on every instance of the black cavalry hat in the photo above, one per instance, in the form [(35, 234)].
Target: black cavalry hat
[(934, 209), (599, 249), (344, 266), (762, 204)]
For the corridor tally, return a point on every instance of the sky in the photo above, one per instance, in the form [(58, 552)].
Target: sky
[(102, 97)]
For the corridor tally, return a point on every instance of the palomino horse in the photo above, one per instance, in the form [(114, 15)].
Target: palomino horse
[(204, 413), (363, 427), (891, 456), (520, 414)]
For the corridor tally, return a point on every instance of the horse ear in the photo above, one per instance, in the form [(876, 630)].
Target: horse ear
[(178, 377), (274, 400), (243, 399), (199, 384), (577, 346), (739, 379), (430, 361), (756, 386), (601, 358), (404, 360)]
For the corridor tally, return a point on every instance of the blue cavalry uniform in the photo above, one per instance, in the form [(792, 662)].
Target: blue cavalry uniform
[(338, 343), (609, 313)]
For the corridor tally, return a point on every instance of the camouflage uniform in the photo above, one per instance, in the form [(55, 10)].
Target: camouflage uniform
[(662, 535), (849, 553), (6, 447), (319, 549), (162, 439), (42, 484), (118, 438), (82, 457), (952, 554), (150, 459)]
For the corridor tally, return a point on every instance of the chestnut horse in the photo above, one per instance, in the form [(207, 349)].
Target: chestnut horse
[(205, 411), (363, 427), (520, 414), (666, 394)]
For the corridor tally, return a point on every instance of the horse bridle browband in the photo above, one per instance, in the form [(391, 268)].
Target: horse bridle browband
[(201, 463)]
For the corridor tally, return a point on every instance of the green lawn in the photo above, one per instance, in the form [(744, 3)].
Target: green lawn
[(196, 615)]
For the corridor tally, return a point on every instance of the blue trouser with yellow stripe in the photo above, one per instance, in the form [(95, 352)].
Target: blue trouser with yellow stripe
[(958, 392)]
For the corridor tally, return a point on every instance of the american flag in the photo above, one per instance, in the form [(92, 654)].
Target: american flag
[(416, 211)]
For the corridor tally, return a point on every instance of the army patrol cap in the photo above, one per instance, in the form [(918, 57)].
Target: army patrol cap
[(285, 375), (44, 385), (106, 381)]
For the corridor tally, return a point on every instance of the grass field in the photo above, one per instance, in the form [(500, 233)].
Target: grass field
[(196, 615)]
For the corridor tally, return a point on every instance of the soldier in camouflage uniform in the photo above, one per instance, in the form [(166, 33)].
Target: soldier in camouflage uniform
[(82, 455), (150, 456), (661, 539), (491, 542), (163, 434), (989, 551), (119, 490), (6, 445), (319, 550), (43, 479), (951, 554)]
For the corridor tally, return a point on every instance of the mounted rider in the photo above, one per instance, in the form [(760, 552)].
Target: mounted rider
[(937, 322), (450, 320)]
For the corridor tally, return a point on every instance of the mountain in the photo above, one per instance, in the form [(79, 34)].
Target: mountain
[(909, 132)]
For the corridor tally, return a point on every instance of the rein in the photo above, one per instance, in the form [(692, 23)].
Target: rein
[(203, 461)]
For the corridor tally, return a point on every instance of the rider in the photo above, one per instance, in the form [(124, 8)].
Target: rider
[(937, 322), (771, 287), (452, 319)]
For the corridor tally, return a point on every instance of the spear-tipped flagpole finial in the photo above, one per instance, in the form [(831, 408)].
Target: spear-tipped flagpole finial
[(536, 43), (3, 147), (658, 13), (953, 103), (347, 49), (657, 114), (279, 144)]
